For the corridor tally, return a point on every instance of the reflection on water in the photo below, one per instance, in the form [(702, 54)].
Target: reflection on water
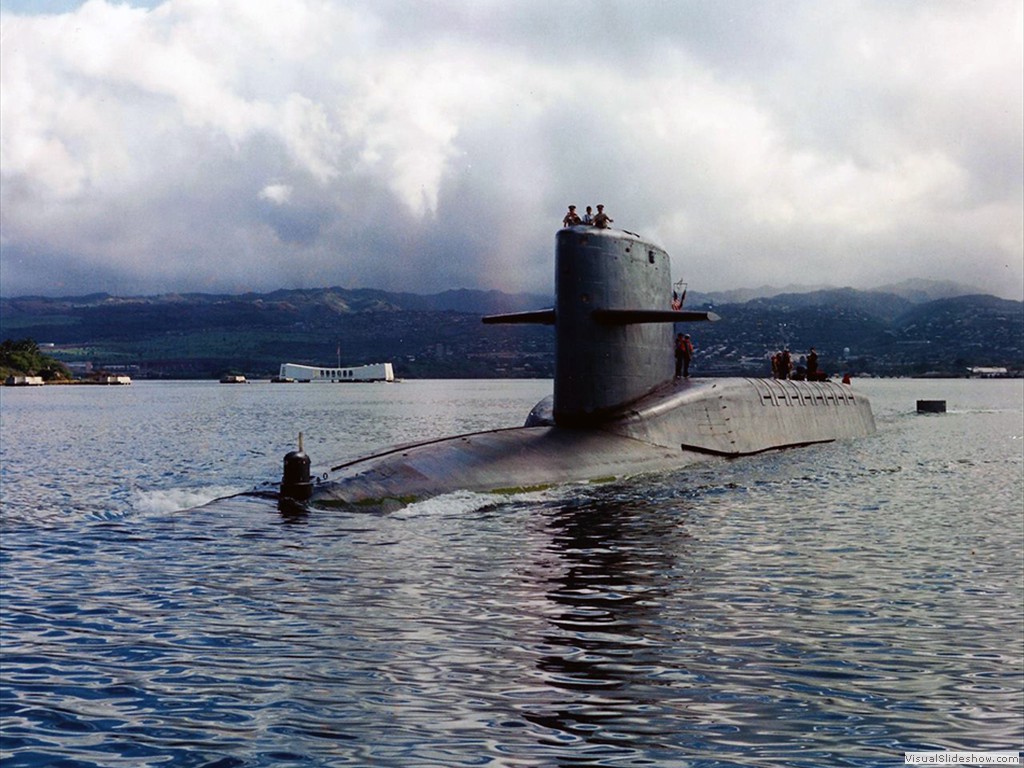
[(835, 606), (801, 646), (605, 646)]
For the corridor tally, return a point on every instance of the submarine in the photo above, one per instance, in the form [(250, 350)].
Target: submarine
[(616, 411)]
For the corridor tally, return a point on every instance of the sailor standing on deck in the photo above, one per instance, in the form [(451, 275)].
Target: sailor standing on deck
[(588, 217), (684, 353), (785, 364), (602, 219), (812, 365), (571, 217)]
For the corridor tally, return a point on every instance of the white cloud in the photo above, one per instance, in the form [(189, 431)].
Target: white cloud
[(195, 145), (276, 193)]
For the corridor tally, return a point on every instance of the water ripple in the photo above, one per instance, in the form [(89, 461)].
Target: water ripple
[(838, 607)]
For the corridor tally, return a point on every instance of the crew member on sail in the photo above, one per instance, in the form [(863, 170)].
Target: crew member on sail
[(684, 353)]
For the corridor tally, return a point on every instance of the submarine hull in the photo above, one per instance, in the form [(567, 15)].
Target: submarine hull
[(680, 423), (741, 416), (501, 461), (615, 410)]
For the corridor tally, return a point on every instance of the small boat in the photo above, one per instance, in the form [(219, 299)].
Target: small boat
[(233, 378)]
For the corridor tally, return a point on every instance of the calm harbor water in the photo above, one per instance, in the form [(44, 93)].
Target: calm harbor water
[(835, 605)]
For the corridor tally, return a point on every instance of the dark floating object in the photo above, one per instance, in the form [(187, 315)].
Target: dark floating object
[(296, 482), (931, 406)]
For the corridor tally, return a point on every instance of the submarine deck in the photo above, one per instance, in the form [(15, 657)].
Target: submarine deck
[(497, 461), (679, 423)]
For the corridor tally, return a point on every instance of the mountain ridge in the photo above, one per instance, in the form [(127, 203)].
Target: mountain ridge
[(440, 335), (916, 291)]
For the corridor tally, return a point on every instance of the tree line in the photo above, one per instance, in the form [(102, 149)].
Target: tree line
[(23, 358)]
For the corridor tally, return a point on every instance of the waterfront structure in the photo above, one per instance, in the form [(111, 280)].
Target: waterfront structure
[(24, 381), (316, 374)]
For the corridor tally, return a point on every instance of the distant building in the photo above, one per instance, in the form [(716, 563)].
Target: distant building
[(984, 372), (24, 381), (308, 373)]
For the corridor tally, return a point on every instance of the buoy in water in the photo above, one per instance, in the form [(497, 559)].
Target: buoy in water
[(931, 406), (295, 480)]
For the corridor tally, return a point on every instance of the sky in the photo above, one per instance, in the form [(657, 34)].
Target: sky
[(234, 146)]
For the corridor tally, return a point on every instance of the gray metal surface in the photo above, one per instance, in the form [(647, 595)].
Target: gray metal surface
[(500, 461), (599, 366), (732, 417), (681, 423)]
